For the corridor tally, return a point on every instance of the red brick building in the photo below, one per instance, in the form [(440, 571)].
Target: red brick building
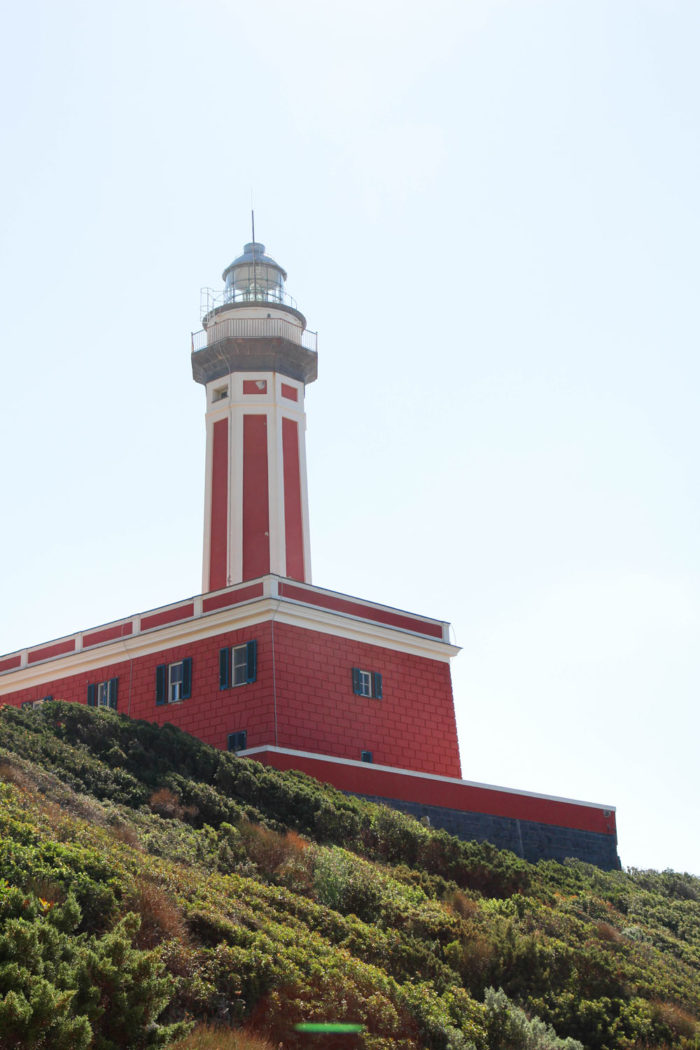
[(263, 662)]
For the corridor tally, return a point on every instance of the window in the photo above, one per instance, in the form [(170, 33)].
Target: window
[(103, 694), (366, 756), (220, 393), (367, 683), (238, 741), (174, 682), (238, 665), (27, 705)]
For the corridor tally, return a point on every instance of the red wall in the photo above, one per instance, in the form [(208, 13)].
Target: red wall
[(218, 534), (256, 499), (366, 780), (210, 713), (412, 726)]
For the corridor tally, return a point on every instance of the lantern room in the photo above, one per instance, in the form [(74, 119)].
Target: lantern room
[(254, 277)]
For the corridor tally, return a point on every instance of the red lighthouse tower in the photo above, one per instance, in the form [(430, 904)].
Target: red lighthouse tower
[(254, 358)]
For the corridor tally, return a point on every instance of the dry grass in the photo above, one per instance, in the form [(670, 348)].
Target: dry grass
[(124, 833), (677, 1019), (60, 800), (272, 852), (211, 1037), (466, 907), (161, 919), (12, 774), (166, 804), (606, 932)]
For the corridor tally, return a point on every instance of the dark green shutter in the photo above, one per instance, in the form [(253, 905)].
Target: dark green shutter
[(252, 658), (238, 741), (112, 693), (356, 680), (92, 695), (161, 683), (224, 668), (376, 685), (187, 678)]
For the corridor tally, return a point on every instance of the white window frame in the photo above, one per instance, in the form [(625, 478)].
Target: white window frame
[(364, 682), (176, 680), (239, 664), (102, 694), (367, 684)]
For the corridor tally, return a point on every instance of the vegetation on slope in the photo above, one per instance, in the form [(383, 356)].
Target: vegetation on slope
[(149, 883)]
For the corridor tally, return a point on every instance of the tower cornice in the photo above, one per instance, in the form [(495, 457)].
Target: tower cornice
[(268, 354)]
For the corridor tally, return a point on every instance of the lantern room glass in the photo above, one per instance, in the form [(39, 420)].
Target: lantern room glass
[(254, 282)]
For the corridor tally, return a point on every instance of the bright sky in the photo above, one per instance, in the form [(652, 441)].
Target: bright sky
[(489, 211)]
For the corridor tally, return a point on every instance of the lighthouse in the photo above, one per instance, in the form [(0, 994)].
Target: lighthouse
[(254, 357), (268, 665)]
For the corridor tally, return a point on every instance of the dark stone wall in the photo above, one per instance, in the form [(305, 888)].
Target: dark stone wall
[(528, 839)]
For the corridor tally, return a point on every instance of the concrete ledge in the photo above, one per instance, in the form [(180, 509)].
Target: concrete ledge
[(254, 355)]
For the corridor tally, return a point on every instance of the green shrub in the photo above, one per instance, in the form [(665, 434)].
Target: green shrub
[(71, 993), (346, 884), (509, 1028)]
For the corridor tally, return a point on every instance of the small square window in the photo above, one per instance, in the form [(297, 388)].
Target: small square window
[(103, 694), (29, 704), (238, 665), (220, 393), (366, 683), (174, 681), (176, 673), (366, 756), (238, 741)]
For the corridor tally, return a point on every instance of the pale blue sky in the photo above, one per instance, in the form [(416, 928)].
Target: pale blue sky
[(489, 212)]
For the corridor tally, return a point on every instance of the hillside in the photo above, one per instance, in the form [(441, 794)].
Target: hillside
[(149, 882)]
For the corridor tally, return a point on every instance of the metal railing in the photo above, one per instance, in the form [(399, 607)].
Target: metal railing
[(255, 328), (210, 299)]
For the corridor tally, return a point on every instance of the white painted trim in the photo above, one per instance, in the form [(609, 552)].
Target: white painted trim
[(326, 621), (304, 495), (270, 588), (234, 565), (247, 614), (251, 752), (207, 499), (444, 624), (270, 585)]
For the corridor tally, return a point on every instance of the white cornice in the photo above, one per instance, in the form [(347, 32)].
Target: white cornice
[(207, 625)]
